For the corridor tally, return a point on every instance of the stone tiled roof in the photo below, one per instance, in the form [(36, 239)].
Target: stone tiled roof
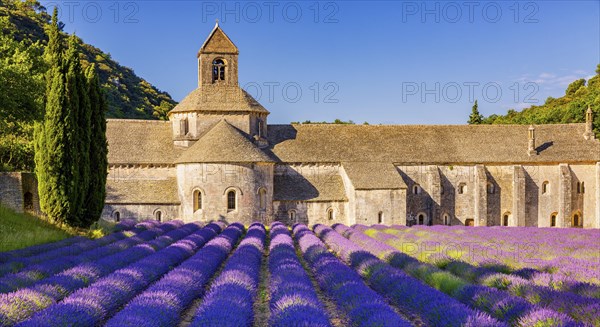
[(368, 175), (150, 142), (218, 42), (309, 187), (219, 98), (135, 191), (223, 143), (435, 144), (140, 142)]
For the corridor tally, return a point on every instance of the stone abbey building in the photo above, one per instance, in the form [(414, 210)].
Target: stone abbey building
[(218, 158)]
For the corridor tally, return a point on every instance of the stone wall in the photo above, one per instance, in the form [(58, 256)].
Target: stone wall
[(140, 212), (491, 192), (584, 202), (310, 212), (215, 181), (389, 203), (11, 191), (200, 123)]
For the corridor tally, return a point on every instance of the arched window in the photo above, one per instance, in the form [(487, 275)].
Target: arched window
[(446, 219), (462, 188), (505, 219), (330, 214), (231, 200), (28, 201), (380, 217), (262, 198), (158, 215), (577, 220), (545, 187), (421, 219), (197, 200), (292, 216), (491, 188), (117, 216), (416, 189), (582, 187), (218, 70), (553, 219)]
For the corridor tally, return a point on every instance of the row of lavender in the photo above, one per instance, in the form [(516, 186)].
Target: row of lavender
[(506, 292), (168, 274), (17, 255), (569, 255)]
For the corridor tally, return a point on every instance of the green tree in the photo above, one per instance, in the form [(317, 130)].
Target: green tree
[(475, 118), (573, 87), (162, 112), (22, 86), (94, 201), (77, 90), (53, 149)]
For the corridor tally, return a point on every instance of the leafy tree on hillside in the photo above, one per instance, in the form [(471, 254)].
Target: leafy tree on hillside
[(25, 31), (574, 87), (567, 109), (22, 85), (475, 117)]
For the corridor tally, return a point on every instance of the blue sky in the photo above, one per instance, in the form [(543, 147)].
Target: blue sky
[(389, 62)]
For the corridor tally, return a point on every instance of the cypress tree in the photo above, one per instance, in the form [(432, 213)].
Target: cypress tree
[(80, 113), (52, 152), (54, 50), (475, 117), (71, 131), (96, 194)]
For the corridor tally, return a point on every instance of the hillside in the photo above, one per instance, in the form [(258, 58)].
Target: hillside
[(128, 95), (569, 108), (22, 83)]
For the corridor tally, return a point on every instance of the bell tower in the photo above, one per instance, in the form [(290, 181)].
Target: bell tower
[(218, 60)]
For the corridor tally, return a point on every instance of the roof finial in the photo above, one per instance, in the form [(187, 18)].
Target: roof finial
[(531, 141), (217, 22), (589, 121)]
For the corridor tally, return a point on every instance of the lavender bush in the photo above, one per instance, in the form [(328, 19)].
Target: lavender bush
[(163, 302), (409, 294), (52, 289), (357, 301), (229, 302), (91, 305), (293, 297)]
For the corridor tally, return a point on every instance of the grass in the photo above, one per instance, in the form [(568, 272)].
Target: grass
[(19, 230)]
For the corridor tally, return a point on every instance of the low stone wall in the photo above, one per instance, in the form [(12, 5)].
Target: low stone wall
[(11, 191)]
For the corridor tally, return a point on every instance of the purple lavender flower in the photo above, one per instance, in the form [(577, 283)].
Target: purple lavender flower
[(546, 318), (89, 306), (354, 298), (231, 296), (163, 302), (293, 298)]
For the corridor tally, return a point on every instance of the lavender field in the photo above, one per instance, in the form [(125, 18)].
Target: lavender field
[(175, 274)]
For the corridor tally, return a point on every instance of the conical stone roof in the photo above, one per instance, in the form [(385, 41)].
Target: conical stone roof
[(223, 143), (219, 98)]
